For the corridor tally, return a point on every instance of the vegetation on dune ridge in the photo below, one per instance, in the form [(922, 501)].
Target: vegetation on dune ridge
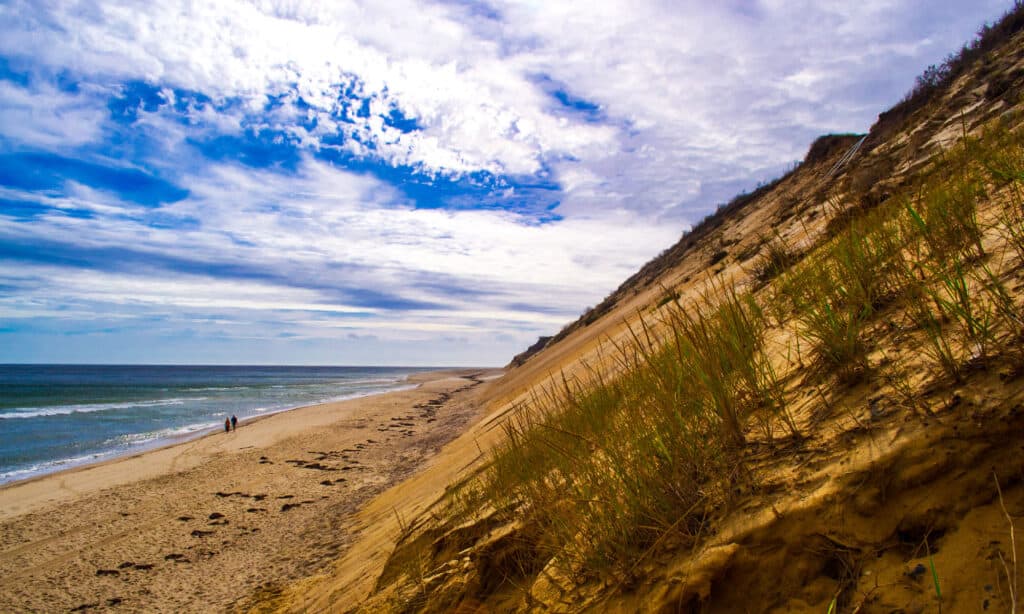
[(930, 85), (908, 285), (605, 466), (938, 78), (687, 384), (652, 446)]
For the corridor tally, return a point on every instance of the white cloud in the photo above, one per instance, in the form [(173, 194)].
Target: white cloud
[(41, 115), (704, 89), (303, 243), (694, 101), (477, 111)]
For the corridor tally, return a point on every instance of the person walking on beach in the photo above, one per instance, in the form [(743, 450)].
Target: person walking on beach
[(234, 422), (227, 425)]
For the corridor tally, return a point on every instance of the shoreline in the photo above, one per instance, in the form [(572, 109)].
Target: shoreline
[(159, 443), (414, 381), (208, 523), (95, 459)]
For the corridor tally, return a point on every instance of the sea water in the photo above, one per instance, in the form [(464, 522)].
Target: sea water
[(57, 416)]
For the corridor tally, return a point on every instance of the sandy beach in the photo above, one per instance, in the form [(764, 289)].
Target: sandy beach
[(205, 524)]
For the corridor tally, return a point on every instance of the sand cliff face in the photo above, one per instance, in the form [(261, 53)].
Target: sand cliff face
[(902, 483)]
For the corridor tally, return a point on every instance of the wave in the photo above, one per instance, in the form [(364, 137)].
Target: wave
[(59, 410), (136, 439), (363, 393), (53, 465), (368, 381)]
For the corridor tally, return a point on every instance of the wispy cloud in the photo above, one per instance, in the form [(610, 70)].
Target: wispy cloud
[(388, 175), (319, 242)]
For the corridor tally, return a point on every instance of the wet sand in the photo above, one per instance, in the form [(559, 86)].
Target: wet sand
[(206, 524)]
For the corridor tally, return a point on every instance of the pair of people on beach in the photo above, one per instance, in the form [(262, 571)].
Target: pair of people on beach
[(230, 423)]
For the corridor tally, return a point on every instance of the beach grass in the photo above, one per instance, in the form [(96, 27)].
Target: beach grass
[(649, 447)]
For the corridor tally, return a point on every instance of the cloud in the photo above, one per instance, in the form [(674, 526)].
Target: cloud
[(42, 115), (404, 170), (476, 111), (319, 250), (699, 90)]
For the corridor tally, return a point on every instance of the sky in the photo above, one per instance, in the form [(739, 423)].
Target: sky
[(395, 182)]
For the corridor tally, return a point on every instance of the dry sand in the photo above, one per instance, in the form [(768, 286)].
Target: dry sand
[(203, 525)]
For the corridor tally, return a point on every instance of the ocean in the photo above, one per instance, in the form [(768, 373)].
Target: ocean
[(57, 416)]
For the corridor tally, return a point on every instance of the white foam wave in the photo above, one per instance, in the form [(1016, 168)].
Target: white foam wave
[(364, 393), (51, 466), (136, 439), (368, 381), (58, 410), (130, 443)]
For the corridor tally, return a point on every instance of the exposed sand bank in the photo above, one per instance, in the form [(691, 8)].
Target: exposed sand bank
[(201, 525)]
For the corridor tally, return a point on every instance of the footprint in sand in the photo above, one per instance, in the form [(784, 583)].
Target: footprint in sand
[(184, 518), (107, 572), (176, 557), (254, 510), (290, 506), (128, 565), (319, 467), (198, 533)]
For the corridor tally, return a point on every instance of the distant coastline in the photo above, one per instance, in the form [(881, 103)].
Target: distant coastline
[(200, 524), (61, 417)]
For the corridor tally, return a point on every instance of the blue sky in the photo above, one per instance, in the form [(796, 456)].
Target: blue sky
[(418, 183)]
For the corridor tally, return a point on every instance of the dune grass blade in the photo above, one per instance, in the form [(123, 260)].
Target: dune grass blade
[(957, 299), (637, 450), (938, 346), (826, 320), (604, 466)]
